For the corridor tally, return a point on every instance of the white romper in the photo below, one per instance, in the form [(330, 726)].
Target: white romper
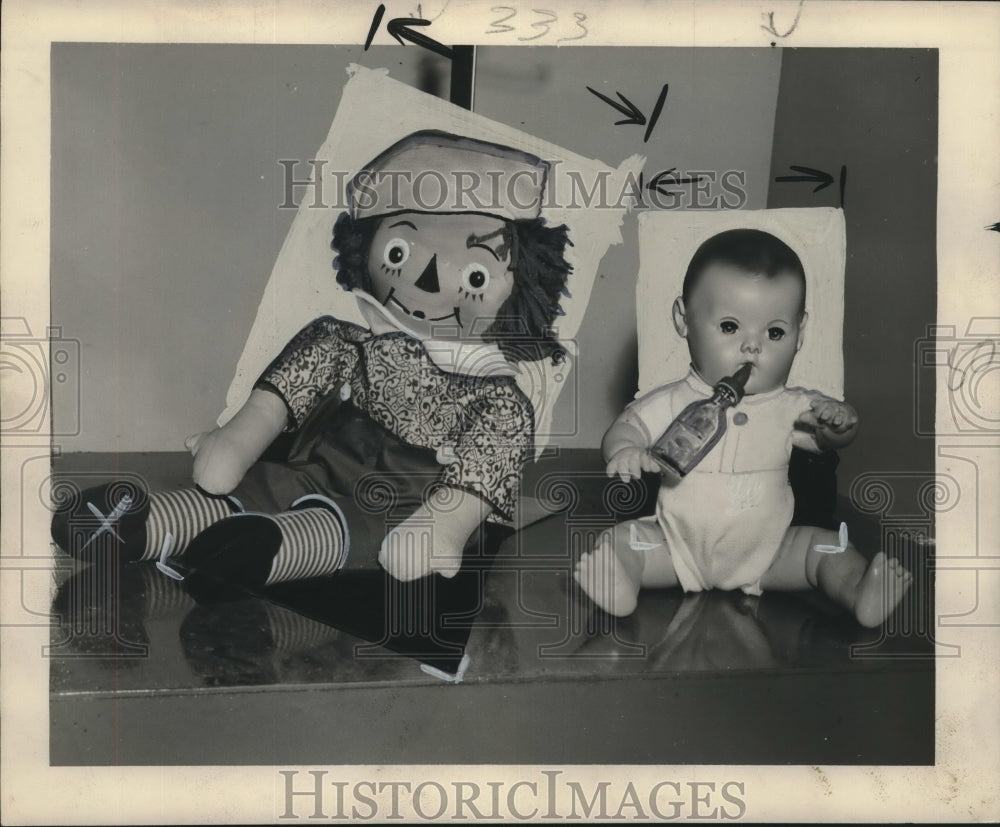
[(724, 522)]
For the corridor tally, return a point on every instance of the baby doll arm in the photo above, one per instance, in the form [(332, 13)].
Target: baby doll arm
[(834, 423), (223, 455), (626, 448)]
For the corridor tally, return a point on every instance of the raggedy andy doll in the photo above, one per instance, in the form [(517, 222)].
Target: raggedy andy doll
[(458, 279)]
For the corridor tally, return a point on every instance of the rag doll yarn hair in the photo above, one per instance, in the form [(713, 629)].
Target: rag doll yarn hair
[(473, 177)]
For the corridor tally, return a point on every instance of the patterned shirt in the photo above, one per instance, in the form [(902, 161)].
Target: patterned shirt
[(481, 426)]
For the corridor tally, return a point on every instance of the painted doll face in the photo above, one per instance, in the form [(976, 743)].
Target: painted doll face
[(442, 272), (733, 317)]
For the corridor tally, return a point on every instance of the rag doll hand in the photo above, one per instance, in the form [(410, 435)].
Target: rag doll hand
[(413, 550), (433, 537), (220, 460), (223, 455)]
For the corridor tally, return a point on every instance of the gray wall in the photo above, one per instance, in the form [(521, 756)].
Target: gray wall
[(875, 111), (718, 115), (166, 186), (165, 217)]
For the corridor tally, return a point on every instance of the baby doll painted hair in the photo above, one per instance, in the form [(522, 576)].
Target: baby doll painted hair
[(753, 251), (523, 327)]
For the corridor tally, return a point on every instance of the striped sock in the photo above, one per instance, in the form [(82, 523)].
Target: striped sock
[(293, 632), (164, 598), (312, 544), (184, 514)]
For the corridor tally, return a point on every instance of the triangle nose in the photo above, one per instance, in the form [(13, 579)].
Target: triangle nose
[(428, 281)]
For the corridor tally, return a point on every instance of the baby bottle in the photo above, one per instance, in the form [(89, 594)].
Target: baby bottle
[(699, 426)]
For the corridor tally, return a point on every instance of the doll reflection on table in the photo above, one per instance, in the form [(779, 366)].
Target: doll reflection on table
[(423, 401), (726, 523)]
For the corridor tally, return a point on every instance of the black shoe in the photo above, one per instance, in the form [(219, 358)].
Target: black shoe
[(230, 644), (104, 521), (230, 559)]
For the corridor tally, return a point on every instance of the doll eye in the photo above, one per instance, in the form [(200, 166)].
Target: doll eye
[(775, 334), (397, 251), (475, 279), (729, 327)]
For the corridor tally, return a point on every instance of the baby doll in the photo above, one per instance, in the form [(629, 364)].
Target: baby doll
[(418, 414), (726, 523)]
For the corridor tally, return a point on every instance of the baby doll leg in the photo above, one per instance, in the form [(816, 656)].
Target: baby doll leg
[(621, 562), (870, 590)]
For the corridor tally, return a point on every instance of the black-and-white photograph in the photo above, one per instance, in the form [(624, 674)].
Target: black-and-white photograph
[(400, 399)]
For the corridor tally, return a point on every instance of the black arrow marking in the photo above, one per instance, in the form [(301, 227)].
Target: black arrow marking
[(463, 58), (662, 179), (816, 176), (631, 112), (819, 177), (656, 111), (376, 20), (399, 28), (994, 227)]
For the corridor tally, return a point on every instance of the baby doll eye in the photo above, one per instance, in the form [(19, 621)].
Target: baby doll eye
[(475, 279), (396, 252), (729, 327), (775, 334)]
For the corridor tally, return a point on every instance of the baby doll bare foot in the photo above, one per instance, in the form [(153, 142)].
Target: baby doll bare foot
[(880, 590), (602, 575)]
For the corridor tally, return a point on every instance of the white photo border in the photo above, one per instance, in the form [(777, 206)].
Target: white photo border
[(962, 784)]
